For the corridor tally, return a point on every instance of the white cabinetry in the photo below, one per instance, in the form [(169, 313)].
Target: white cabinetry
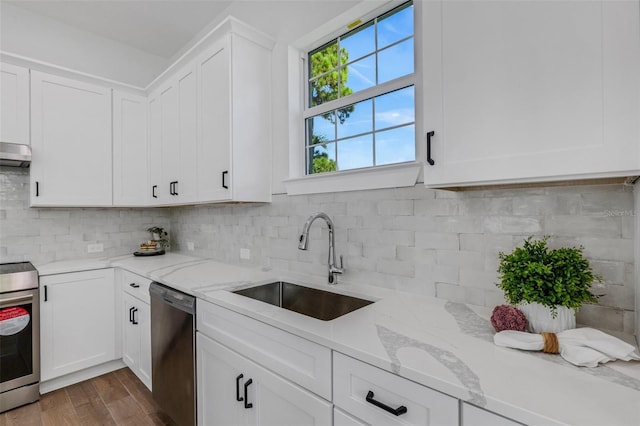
[(280, 395), (70, 142), (78, 322), (136, 320), (14, 106), (234, 149), (474, 416), (173, 139), (531, 91), (130, 177), (378, 397), (233, 390)]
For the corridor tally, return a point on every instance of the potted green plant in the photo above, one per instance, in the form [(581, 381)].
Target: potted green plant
[(159, 235), (547, 285)]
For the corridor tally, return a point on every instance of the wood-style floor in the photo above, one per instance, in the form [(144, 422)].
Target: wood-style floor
[(117, 398)]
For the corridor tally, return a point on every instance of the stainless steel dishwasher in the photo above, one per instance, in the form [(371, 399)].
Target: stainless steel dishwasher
[(173, 353)]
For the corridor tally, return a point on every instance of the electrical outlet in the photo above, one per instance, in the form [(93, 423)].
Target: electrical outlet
[(190, 246), (95, 248), (245, 254)]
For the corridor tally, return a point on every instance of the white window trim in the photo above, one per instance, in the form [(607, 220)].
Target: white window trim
[(385, 176)]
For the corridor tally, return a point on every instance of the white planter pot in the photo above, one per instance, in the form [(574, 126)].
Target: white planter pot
[(540, 319)]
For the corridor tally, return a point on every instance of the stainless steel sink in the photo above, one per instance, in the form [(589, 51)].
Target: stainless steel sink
[(312, 302)]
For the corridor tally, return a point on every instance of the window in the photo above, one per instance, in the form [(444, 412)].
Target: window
[(361, 102)]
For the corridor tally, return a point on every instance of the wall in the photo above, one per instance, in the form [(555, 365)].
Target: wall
[(636, 215), (428, 241), (48, 40), (48, 234)]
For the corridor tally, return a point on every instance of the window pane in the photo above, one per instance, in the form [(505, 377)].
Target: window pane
[(392, 28), (355, 119), (321, 158), (321, 128), (359, 42), (396, 145), (355, 153), (324, 75), (396, 61), (323, 60), (395, 108), (360, 75)]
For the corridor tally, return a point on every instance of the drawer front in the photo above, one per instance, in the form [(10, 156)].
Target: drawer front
[(340, 418), (353, 380), (135, 285), (299, 360)]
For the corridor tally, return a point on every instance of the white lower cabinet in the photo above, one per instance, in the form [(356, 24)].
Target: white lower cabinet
[(474, 416), (136, 330), (377, 397), (340, 418), (78, 322), (233, 390)]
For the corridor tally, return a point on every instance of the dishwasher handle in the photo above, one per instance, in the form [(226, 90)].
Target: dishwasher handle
[(175, 298)]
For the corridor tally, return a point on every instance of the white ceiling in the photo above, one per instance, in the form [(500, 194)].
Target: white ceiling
[(164, 27)]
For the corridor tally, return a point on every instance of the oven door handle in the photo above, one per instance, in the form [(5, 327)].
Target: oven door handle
[(14, 300)]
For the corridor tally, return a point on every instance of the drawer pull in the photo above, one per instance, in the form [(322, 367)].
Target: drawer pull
[(134, 285), (395, 411)]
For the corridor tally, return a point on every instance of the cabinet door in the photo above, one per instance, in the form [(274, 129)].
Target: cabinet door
[(157, 190), (143, 317), (78, 327), (130, 334), (187, 160), (71, 142), (14, 106), (130, 172), (529, 91), (269, 399), (218, 374), (214, 152)]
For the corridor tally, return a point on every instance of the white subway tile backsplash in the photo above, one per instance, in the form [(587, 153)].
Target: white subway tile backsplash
[(416, 240)]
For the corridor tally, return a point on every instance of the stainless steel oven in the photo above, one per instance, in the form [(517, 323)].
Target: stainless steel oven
[(19, 335)]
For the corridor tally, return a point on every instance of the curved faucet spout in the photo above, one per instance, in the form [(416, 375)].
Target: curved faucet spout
[(304, 238)]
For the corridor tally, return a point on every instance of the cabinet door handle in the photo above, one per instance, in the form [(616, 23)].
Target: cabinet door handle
[(131, 314), (429, 136), (238, 397), (395, 411), (46, 296), (175, 188), (134, 316), (224, 185), (134, 285), (37, 189), (247, 404), (153, 191), (171, 188)]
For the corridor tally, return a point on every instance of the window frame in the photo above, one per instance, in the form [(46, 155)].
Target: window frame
[(370, 93), (402, 174)]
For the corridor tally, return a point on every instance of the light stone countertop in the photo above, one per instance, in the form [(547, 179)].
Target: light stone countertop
[(444, 345)]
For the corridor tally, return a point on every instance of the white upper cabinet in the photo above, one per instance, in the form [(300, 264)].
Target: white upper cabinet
[(130, 171), (531, 91), (14, 106), (234, 140), (70, 142), (173, 139)]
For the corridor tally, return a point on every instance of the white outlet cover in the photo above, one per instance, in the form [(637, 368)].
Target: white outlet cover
[(245, 254)]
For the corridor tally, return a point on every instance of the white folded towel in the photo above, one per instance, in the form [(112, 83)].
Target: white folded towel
[(584, 347)]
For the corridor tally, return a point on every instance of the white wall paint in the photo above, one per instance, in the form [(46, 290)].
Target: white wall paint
[(35, 36), (636, 213)]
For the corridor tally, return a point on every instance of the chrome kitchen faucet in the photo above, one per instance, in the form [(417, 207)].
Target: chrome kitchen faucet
[(302, 245)]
